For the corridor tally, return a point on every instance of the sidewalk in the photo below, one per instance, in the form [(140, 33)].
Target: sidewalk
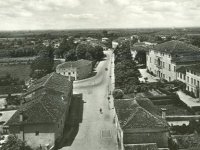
[(189, 101), (145, 74)]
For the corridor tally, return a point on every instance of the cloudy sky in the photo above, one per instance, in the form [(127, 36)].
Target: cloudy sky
[(73, 14)]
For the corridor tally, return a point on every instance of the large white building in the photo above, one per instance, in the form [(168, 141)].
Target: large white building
[(164, 59), (75, 70)]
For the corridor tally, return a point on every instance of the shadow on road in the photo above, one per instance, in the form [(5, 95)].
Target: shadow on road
[(72, 123)]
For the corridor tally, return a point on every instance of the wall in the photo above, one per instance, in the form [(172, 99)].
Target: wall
[(181, 77), (69, 72), (159, 137), (193, 82), (84, 71), (161, 70), (46, 134)]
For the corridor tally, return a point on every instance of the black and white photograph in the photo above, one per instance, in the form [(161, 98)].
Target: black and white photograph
[(99, 74)]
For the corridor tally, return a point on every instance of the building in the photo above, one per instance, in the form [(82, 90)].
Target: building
[(190, 75), (136, 125), (164, 59), (114, 44), (40, 121), (76, 70), (43, 112)]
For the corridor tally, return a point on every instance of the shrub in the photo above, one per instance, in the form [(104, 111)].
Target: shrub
[(118, 94)]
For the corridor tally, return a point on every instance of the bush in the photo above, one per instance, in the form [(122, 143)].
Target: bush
[(118, 94)]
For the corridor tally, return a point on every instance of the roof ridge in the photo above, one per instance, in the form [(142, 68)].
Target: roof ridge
[(132, 115), (47, 110), (47, 79)]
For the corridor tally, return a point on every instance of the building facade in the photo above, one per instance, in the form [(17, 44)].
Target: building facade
[(76, 70), (164, 59)]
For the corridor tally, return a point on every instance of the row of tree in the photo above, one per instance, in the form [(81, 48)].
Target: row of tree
[(126, 71)]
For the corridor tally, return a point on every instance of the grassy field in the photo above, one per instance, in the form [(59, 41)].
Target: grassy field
[(18, 71)]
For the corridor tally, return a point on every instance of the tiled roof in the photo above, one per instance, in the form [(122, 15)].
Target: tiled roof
[(176, 47), (181, 70), (195, 68), (193, 57), (132, 115), (52, 81), (74, 64), (145, 146), (45, 108)]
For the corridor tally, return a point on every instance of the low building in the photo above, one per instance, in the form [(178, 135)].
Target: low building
[(164, 59), (78, 70), (40, 121), (136, 125), (114, 44)]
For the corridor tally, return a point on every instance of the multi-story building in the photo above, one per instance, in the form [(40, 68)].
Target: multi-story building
[(190, 75), (164, 59), (43, 112), (76, 70)]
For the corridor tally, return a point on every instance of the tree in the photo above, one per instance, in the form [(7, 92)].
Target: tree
[(98, 53), (118, 94), (43, 64), (13, 143), (70, 55)]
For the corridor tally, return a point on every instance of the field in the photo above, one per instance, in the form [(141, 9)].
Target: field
[(18, 71)]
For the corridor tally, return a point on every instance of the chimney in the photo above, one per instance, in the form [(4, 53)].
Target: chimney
[(21, 116), (163, 112)]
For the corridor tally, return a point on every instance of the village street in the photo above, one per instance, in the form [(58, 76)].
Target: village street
[(97, 130)]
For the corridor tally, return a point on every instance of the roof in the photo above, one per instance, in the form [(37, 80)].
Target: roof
[(181, 70), (175, 46), (74, 64), (53, 81), (131, 115), (195, 68), (145, 146), (45, 108)]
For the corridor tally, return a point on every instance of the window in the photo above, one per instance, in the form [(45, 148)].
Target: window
[(191, 80), (36, 133), (169, 79), (169, 67), (69, 73), (181, 75), (194, 81), (184, 77), (188, 79), (191, 89), (163, 75), (163, 64), (169, 55), (198, 83), (174, 68)]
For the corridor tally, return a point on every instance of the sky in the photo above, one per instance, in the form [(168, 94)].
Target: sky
[(80, 14)]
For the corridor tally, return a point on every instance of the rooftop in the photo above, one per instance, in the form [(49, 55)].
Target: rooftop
[(74, 64), (53, 81), (132, 115), (181, 70), (49, 105), (175, 46), (195, 68)]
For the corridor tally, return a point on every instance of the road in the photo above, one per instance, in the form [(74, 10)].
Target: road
[(97, 131)]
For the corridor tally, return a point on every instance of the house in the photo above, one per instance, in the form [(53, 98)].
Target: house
[(78, 70), (40, 121), (43, 112), (136, 125), (54, 82), (114, 44), (190, 75), (164, 59)]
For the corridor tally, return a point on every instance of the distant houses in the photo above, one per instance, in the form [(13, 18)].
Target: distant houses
[(43, 113), (75, 70)]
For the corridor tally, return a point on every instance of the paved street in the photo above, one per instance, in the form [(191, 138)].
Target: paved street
[(97, 131)]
